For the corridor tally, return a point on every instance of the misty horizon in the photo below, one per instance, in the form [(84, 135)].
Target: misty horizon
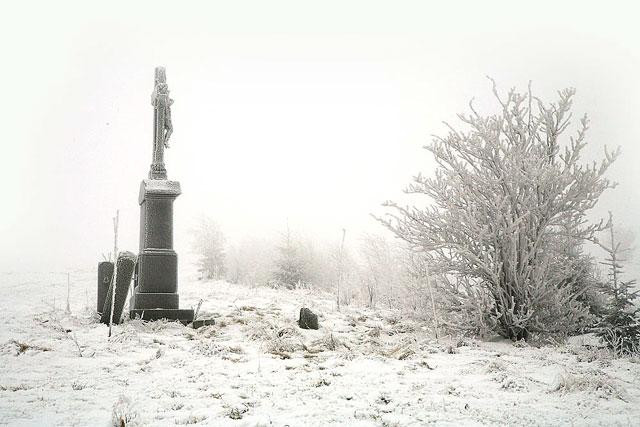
[(287, 122)]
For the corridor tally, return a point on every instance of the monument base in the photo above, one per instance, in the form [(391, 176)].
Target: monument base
[(155, 293), (184, 316), (150, 301)]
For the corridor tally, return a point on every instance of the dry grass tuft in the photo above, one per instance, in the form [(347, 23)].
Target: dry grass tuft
[(18, 348), (594, 382), (124, 414)]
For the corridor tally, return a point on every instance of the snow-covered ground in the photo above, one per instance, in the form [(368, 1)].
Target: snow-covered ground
[(255, 367)]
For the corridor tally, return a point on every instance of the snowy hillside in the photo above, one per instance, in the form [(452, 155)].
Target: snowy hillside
[(255, 367)]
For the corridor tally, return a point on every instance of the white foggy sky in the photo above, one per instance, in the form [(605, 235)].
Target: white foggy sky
[(311, 111)]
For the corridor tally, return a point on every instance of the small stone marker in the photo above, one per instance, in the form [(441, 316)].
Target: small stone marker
[(105, 271), (204, 322), (124, 272), (308, 320)]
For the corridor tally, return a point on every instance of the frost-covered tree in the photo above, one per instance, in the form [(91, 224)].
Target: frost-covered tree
[(506, 194), (583, 275), (209, 244), (620, 324)]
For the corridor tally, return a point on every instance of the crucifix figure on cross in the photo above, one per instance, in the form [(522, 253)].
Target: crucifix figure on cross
[(162, 127)]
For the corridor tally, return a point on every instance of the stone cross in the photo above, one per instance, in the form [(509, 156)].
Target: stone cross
[(162, 127), (155, 294)]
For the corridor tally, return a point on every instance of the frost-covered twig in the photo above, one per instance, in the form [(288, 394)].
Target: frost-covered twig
[(195, 314)]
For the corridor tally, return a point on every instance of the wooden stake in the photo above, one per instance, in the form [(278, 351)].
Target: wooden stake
[(68, 285), (340, 267), (433, 302), (116, 219)]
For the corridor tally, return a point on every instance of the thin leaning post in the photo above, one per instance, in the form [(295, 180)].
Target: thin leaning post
[(116, 221), (155, 294), (340, 268)]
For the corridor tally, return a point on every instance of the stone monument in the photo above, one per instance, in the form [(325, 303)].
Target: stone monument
[(155, 293)]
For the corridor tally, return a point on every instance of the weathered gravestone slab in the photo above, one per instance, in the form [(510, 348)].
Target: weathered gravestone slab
[(124, 272), (105, 271), (308, 320)]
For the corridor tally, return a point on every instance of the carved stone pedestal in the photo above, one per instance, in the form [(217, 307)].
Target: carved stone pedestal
[(155, 293)]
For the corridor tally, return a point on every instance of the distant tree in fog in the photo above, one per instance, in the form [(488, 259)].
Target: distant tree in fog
[(381, 269), (209, 244), (250, 261), (290, 268)]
